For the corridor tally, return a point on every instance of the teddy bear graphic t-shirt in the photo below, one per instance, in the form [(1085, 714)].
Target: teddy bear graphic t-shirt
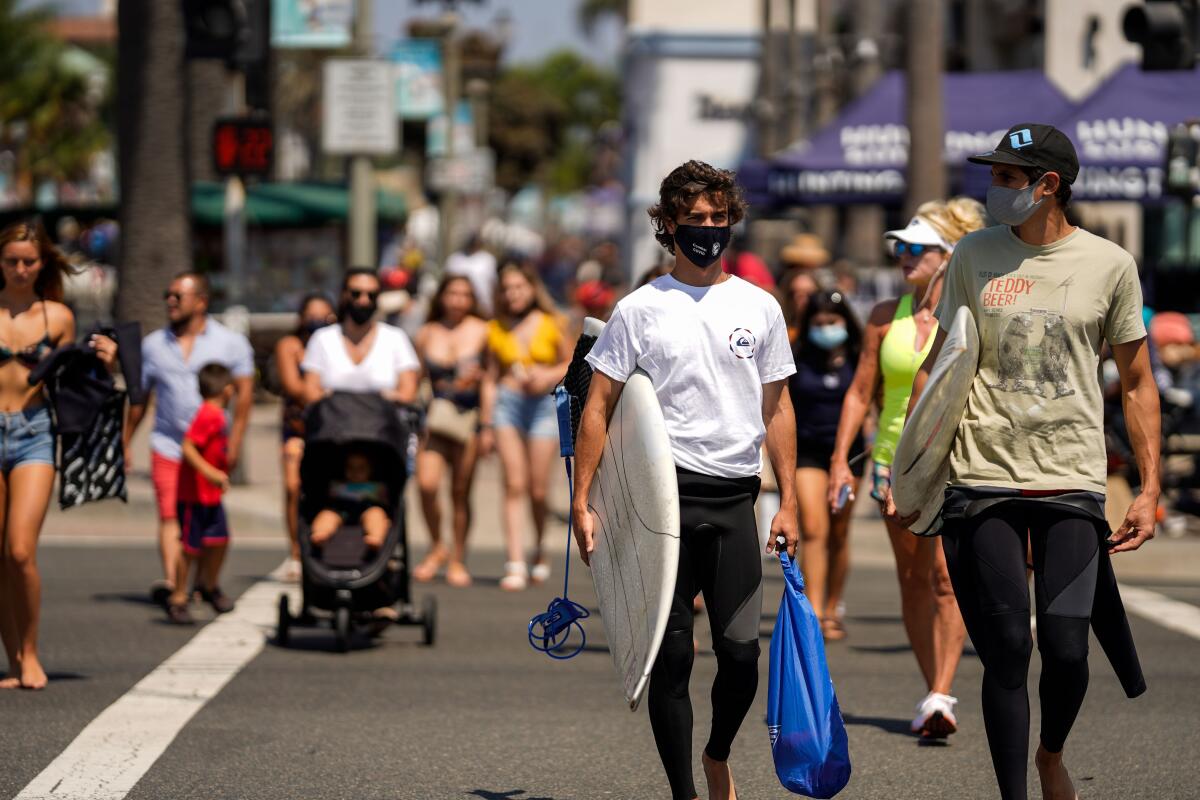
[(708, 351), (1035, 418)]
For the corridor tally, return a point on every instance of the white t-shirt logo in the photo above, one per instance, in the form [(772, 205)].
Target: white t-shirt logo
[(741, 343)]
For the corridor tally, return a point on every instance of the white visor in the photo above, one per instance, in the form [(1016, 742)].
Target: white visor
[(920, 232)]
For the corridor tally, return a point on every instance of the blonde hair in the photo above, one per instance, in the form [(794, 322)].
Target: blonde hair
[(953, 218), (541, 298)]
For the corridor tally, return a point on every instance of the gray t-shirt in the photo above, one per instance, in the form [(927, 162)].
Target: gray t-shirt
[(1035, 416)]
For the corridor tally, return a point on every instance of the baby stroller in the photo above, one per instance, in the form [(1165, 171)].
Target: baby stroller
[(343, 582)]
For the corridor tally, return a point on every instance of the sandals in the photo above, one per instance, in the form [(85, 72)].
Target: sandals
[(516, 576), (430, 566), (457, 575), (540, 573), (832, 629)]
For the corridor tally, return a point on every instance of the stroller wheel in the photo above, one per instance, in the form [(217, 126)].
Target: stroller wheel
[(429, 620), (285, 622), (341, 627)]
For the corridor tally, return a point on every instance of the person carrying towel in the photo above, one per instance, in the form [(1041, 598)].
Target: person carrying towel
[(1028, 462), (716, 350)]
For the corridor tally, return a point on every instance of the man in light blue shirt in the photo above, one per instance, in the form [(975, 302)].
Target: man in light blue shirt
[(171, 357)]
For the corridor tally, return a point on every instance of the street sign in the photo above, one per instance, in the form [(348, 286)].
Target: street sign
[(472, 172), (359, 114), (312, 24), (243, 146), (418, 65)]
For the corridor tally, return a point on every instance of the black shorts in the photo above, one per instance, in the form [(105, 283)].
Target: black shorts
[(817, 455), (201, 526)]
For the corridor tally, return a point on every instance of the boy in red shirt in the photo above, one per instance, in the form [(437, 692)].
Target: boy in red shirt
[(203, 479)]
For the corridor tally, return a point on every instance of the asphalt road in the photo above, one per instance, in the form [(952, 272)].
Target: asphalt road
[(482, 715)]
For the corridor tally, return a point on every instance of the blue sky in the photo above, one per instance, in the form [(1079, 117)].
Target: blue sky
[(538, 26)]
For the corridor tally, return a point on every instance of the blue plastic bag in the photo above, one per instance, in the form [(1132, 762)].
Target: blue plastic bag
[(808, 737)]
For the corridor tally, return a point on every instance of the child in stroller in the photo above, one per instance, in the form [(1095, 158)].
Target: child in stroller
[(353, 548), (355, 499)]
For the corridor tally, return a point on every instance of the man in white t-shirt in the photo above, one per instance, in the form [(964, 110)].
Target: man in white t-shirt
[(717, 352), (479, 267)]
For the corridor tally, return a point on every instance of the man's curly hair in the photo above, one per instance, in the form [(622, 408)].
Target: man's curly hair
[(681, 188)]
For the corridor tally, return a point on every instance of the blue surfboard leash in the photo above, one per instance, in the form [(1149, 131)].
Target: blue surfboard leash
[(550, 631)]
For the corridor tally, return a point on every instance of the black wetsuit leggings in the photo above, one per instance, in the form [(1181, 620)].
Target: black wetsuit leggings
[(719, 556), (986, 556)]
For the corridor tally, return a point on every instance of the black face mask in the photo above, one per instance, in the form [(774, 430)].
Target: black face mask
[(701, 245), (312, 326), (360, 314)]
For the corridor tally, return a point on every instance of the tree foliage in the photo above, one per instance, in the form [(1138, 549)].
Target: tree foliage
[(51, 110), (592, 11), (544, 118)]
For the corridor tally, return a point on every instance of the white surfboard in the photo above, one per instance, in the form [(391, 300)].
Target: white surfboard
[(921, 468), (635, 500)]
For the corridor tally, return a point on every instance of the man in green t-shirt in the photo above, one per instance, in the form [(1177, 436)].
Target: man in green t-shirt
[(1028, 463)]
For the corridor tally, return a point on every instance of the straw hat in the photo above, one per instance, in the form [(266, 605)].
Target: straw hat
[(805, 250)]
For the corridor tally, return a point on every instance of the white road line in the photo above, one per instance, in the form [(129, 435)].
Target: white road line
[(149, 541), (1172, 614), (118, 747)]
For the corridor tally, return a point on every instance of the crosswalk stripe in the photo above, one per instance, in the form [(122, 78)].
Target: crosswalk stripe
[(1158, 608), (119, 746)]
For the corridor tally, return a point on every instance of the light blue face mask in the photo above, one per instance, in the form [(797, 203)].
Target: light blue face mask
[(1012, 206), (828, 337)]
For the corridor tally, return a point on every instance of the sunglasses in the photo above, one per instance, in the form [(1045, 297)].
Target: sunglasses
[(915, 250), (176, 296), (357, 293)]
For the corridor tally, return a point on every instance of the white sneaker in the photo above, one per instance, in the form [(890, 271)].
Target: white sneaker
[(287, 572), (935, 716)]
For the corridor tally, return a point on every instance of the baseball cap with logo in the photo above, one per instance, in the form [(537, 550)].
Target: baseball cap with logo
[(1028, 144)]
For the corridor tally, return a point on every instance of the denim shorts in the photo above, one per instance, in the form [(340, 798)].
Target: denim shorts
[(531, 416), (26, 437)]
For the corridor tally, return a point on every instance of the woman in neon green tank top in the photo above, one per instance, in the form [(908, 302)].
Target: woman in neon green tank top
[(899, 334)]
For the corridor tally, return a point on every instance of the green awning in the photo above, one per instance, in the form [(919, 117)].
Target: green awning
[(288, 204)]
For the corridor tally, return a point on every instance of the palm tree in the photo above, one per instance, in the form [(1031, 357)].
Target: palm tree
[(155, 214), (592, 11), (51, 98)]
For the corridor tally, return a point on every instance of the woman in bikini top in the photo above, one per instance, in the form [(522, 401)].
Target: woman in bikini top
[(451, 346), (31, 278)]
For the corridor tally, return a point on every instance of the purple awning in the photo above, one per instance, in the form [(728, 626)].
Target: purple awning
[(862, 156), (1120, 132)]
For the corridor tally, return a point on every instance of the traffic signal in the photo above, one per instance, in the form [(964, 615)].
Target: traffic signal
[(243, 146), (1183, 160), (237, 32), (1167, 30), (253, 56), (214, 27)]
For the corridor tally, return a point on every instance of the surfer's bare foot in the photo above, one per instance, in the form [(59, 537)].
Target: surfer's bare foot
[(10, 681), (720, 779), (1056, 783)]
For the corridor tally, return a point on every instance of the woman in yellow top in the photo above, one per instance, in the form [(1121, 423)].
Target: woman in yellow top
[(528, 353), (899, 334)]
